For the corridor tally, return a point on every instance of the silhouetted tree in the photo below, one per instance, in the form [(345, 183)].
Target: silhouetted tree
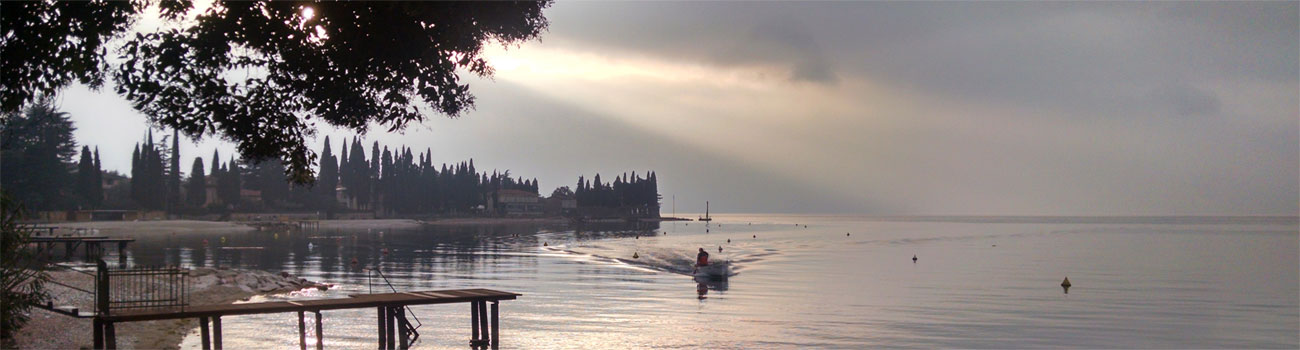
[(180, 75), (22, 273), (86, 177), (197, 190), (36, 152)]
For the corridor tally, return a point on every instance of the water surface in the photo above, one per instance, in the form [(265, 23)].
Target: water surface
[(841, 282)]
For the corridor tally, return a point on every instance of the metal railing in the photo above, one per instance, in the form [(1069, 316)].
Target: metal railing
[(140, 288)]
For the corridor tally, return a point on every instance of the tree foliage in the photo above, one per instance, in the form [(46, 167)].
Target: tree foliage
[(20, 273), (36, 152), (347, 64), (196, 191)]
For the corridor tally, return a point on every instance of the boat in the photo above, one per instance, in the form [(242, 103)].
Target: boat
[(715, 271), (706, 212)]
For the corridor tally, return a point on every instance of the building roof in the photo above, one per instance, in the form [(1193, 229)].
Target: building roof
[(515, 193)]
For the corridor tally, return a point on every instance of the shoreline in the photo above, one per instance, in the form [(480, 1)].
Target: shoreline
[(48, 330)]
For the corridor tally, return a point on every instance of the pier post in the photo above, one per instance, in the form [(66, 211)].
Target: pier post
[(391, 326), (403, 341), (496, 339), (483, 320), (320, 333), (302, 332), (206, 340), (473, 321), (381, 315), (97, 331), (110, 336), (216, 332)]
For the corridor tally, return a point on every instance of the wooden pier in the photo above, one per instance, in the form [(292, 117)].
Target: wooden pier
[(394, 330), (92, 244)]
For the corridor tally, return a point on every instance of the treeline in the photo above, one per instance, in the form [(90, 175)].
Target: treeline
[(38, 169), (625, 191), (390, 181)]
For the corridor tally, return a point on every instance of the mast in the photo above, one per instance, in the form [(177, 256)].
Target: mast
[(706, 209)]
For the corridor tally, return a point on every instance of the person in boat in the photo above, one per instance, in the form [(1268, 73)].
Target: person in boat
[(702, 259)]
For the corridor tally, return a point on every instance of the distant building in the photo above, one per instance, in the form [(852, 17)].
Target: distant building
[(210, 186), (560, 205), (515, 203), (251, 196)]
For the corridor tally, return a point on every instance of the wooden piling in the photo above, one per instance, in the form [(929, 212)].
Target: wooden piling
[(495, 328), (382, 313), (391, 326), (320, 333), (216, 332), (110, 336), (483, 320), (473, 321), (206, 340), (403, 335), (97, 328), (302, 331)]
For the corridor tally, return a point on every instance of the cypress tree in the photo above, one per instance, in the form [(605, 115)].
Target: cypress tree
[(328, 179), (197, 192), (85, 177), (97, 199), (174, 173), (136, 173)]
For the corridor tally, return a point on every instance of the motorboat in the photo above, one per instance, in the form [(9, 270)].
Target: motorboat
[(717, 271)]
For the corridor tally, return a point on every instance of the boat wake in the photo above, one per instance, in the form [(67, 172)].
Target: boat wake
[(663, 260)]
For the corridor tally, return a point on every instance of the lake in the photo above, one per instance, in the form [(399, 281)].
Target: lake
[(802, 281)]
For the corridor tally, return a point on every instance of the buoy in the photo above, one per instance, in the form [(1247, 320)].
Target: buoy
[(913, 258), (728, 240), (635, 256), (706, 230), (719, 249), (755, 236), (1066, 282), (638, 236), (846, 234), (545, 244)]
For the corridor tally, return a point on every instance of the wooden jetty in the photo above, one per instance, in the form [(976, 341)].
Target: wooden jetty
[(394, 331), (92, 244)]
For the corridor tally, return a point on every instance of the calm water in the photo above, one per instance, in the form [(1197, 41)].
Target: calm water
[(978, 283)]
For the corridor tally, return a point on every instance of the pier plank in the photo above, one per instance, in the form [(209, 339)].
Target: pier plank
[(353, 301)]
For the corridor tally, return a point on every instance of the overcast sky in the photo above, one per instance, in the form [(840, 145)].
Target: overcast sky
[(968, 108)]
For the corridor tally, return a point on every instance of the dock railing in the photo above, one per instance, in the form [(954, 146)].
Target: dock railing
[(140, 288)]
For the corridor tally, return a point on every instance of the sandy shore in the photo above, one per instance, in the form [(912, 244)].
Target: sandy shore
[(377, 224), (495, 221), (48, 330), (132, 228), (160, 227)]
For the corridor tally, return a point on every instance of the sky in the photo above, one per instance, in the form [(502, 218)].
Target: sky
[(877, 108)]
